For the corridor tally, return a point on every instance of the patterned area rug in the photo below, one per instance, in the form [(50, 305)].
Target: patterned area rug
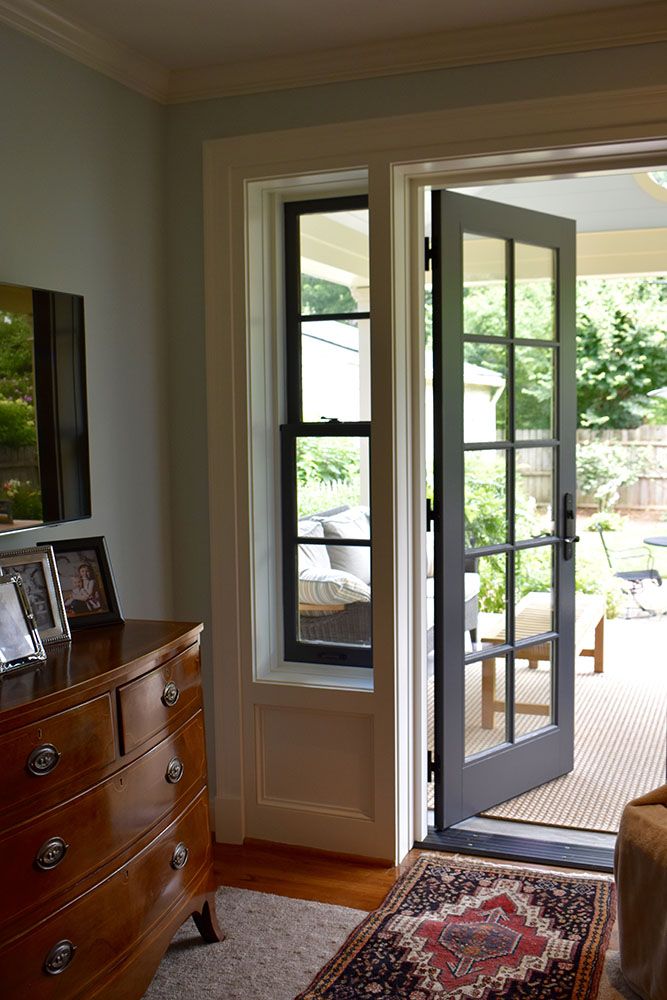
[(477, 931)]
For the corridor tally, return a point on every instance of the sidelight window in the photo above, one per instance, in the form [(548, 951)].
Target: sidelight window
[(325, 442)]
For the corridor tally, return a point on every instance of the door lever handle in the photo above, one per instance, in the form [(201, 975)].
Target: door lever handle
[(568, 546), (569, 526)]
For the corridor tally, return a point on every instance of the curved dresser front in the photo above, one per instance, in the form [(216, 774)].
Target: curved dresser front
[(104, 822)]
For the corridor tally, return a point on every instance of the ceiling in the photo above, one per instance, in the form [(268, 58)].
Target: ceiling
[(597, 203), (182, 50), (186, 34)]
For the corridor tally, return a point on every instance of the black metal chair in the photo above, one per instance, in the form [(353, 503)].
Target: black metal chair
[(633, 580)]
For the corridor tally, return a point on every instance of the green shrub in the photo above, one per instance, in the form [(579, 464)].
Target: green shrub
[(26, 499), (589, 580), (603, 468), (606, 520), (327, 460), (17, 423)]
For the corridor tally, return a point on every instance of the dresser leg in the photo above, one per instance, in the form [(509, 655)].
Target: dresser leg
[(207, 921)]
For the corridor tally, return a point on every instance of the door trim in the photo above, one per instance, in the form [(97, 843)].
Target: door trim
[(617, 129)]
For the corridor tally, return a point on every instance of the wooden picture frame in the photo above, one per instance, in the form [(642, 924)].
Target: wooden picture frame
[(36, 566), (87, 582), (20, 644)]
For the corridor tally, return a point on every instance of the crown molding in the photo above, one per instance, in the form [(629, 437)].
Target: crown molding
[(603, 29), (87, 47)]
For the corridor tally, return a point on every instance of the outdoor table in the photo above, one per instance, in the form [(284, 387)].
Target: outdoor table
[(656, 540)]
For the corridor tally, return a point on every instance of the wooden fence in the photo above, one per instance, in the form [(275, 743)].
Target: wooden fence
[(648, 493)]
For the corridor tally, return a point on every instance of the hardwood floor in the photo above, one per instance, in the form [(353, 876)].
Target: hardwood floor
[(303, 873), (307, 874)]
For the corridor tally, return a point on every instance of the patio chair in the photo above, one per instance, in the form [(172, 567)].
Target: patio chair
[(633, 580)]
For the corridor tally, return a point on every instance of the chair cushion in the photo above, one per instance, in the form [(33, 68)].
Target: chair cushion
[(331, 587), (313, 556), (352, 523)]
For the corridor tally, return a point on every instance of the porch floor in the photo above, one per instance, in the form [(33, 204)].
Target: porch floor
[(620, 729)]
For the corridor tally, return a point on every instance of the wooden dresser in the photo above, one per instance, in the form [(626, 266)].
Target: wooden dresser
[(105, 844)]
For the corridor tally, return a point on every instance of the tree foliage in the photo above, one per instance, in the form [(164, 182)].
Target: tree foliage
[(621, 348), (325, 297), (17, 410)]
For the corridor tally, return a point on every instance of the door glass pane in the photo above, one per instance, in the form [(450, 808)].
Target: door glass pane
[(335, 370), (485, 498), (485, 686), (485, 396), (534, 592), (534, 493), (484, 286), (533, 672), (331, 472), (490, 605), (534, 292), (334, 262), (534, 390)]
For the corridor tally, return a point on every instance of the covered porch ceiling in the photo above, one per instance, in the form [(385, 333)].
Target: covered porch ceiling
[(621, 226)]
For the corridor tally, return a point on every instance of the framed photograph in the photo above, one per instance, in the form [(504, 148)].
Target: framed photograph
[(87, 583), (37, 569), (20, 644)]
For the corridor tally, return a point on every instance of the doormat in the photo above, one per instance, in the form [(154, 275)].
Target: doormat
[(478, 931)]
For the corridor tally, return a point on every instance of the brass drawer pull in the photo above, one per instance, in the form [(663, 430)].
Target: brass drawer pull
[(51, 853), (43, 759), (170, 695), (59, 958), (174, 771), (179, 858)]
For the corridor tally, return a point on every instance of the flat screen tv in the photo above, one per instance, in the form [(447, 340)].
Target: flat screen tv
[(44, 463)]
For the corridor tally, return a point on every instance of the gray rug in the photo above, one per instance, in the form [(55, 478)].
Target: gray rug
[(274, 947)]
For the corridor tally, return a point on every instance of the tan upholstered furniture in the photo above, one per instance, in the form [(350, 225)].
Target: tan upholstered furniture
[(641, 878)]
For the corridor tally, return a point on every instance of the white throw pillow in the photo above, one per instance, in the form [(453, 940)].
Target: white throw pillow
[(352, 523), (313, 556), (332, 587)]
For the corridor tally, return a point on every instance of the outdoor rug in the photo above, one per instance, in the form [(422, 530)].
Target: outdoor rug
[(478, 931)]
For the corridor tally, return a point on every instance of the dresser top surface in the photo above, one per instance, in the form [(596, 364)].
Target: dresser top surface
[(95, 658)]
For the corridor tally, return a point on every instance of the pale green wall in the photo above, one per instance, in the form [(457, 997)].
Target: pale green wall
[(82, 169)]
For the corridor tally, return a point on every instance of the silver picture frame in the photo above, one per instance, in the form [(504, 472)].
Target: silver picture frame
[(20, 644), (39, 574)]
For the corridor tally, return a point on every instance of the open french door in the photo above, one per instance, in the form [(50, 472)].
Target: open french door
[(504, 491)]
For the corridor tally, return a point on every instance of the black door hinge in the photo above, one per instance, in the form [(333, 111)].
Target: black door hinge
[(428, 253), (432, 767), (430, 513)]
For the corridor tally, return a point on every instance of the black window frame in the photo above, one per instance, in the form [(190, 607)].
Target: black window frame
[(296, 650)]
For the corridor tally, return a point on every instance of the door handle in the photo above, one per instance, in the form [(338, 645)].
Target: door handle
[(569, 524)]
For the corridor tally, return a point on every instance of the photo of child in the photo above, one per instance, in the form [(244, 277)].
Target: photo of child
[(83, 591)]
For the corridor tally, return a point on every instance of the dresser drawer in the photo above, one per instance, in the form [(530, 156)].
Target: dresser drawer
[(159, 699), (95, 931), (65, 844), (65, 748)]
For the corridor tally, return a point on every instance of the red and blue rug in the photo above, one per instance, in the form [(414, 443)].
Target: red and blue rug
[(476, 931)]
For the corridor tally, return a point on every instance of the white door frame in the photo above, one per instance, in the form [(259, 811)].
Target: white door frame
[(400, 155)]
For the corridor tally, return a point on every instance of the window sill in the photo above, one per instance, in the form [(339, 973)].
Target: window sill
[(331, 677)]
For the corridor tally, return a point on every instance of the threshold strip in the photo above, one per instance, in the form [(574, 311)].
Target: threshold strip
[(509, 848)]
